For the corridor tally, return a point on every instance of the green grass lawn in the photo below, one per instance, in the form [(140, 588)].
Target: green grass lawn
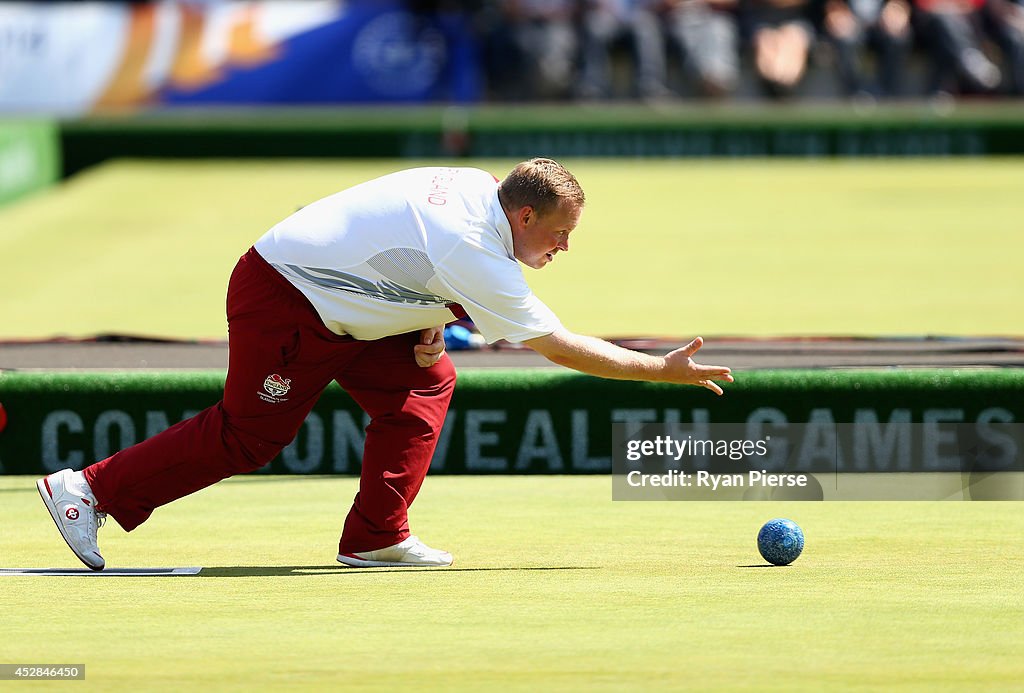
[(670, 247), (555, 587)]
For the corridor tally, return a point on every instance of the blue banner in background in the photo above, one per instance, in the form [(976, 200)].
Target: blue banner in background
[(71, 59), (373, 52)]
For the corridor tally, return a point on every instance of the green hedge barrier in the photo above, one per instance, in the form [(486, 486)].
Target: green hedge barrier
[(501, 421), (607, 130)]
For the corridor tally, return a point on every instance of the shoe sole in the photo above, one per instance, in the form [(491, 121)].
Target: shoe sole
[(44, 493), (355, 562)]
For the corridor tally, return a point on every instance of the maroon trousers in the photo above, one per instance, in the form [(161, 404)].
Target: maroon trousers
[(281, 359)]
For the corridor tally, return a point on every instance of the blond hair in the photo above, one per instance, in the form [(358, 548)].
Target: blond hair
[(542, 184)]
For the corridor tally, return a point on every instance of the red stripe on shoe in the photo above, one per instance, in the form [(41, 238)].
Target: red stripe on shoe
[(46, 480)]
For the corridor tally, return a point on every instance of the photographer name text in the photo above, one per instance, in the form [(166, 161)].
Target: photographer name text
[(704, 479)]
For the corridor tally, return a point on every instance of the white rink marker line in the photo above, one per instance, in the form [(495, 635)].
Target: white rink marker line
[(109, 572)]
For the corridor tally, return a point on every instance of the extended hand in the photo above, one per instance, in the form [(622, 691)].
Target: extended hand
[(431, 347), (684, 370)]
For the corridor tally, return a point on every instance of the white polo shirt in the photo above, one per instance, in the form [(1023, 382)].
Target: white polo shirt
[(391, 255)]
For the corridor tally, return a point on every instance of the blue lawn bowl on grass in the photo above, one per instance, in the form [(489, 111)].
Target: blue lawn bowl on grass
[(780, 541)]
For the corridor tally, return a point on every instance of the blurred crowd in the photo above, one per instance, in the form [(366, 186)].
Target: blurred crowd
[(551, 50)]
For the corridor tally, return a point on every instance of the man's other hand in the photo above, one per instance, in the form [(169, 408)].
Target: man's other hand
[(431, 347)]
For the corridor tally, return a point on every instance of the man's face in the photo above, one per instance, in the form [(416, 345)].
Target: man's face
[(537, 238)]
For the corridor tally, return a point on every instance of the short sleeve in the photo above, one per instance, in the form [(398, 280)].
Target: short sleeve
[(494, 293)]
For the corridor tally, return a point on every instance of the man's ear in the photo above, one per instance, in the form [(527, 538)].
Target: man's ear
[(526, 215)]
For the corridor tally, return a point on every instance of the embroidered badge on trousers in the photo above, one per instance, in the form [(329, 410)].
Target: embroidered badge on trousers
[(275, 388)]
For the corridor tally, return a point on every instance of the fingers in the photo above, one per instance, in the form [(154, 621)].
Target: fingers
[(713, 372), (428, 354), (435, 349), (431, 347), (688, 350), (692, 348), (431, 334), (428, 357), (709, 381), (711, 385), (709, 374), (426, 360), (689, 372)]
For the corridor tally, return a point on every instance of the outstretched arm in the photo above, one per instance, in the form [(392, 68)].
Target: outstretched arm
[(606, 360)]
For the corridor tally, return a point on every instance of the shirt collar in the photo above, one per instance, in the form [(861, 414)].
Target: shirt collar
[(500, 221)]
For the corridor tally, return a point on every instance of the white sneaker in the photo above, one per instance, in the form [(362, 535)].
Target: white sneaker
[(410, 553), (73, 508)]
